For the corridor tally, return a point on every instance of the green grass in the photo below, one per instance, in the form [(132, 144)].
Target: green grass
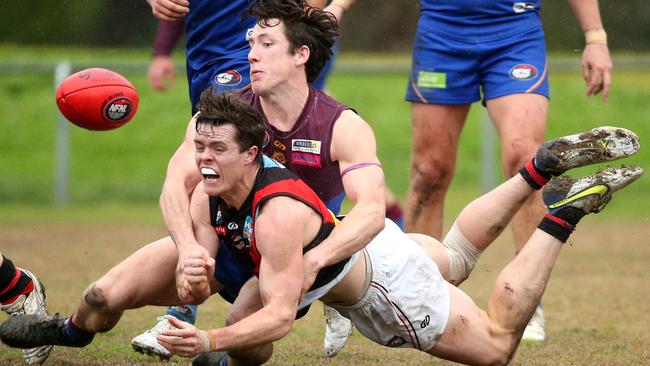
[(128, 164), (595, 304), (597, 310)]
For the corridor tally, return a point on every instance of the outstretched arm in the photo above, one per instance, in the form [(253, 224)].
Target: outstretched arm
[(596, 61), (354, 147), (161, 69), (180, 181)]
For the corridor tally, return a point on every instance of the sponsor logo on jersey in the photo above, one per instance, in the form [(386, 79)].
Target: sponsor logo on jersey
[(298, 158), (248, 228), (233, 226), (396, 341), (279, 157), (523, 72), (521, 7), (307, 146), (279, 145), (429, 79), (219, 218), (230, 77), (239, 242), (220, 230), (118, 109)]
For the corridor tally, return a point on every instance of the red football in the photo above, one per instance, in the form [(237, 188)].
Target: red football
[(97, 99)]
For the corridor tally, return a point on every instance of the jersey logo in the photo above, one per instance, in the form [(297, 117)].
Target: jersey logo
[(233, 226), (521, 7), (425, 322), (396, 341), (523, 72), (307, 146), (429, 79), (248, 228), (298, 158), (239, 242), (230, 77), (220, 230), (279, 157)]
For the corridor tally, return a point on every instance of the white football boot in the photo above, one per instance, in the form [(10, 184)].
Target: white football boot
[(337, 331), (147, 342)]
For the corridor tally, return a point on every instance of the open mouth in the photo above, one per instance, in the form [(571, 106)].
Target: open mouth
[(209, 174)]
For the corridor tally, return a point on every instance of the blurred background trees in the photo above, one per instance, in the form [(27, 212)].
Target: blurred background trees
[(372, 25)]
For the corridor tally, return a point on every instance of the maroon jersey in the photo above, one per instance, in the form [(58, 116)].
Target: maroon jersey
[(236, 227), (305, 149)]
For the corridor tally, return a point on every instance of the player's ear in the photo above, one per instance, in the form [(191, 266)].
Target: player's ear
[(302, 55), (251, 154)]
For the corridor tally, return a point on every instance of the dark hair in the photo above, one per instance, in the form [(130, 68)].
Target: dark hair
[(215, 108), (304, 26)]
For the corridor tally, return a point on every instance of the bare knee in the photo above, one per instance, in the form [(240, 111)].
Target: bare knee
[(430, 177), (94, 297)]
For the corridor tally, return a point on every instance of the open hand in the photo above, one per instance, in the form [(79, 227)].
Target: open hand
[(186, 340)]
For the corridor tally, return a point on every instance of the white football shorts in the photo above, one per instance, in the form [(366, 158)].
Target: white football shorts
[(407, 302)]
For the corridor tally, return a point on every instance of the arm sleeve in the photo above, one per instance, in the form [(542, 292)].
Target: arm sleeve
[(167, 34)]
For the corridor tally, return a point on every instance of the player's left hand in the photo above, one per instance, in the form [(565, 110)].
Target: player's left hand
[(187, 340), (596, 69), (310, 272)]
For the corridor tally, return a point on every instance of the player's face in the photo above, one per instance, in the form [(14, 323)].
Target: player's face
[(272, 63), (219, 159)]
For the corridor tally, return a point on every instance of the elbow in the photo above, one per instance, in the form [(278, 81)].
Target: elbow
[(285, 319)]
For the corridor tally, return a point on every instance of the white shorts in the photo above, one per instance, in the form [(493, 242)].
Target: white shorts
[(407, 302)]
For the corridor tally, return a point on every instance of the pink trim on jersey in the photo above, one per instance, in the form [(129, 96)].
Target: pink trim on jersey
[(357, 166)]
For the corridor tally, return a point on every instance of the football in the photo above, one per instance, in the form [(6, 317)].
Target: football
[(97, 99)]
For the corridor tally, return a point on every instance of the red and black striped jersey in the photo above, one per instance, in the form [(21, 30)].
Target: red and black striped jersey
[(236, 227)]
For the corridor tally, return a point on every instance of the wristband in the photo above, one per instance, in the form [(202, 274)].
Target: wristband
[(596, 36), (345, 4), (208, 342)]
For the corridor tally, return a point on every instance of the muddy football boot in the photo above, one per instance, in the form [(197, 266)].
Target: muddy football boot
[(36, 330), (32, 303), (598, 145), (589, 194)]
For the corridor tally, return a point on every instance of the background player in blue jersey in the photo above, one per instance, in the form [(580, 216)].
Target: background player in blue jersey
[(161, 71), (225, 67), (465, 51)]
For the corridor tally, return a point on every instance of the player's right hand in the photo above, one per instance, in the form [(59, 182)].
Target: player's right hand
[(192, 274), (169, 9)]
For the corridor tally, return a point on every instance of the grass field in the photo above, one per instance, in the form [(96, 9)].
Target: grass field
[(597, 303)]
